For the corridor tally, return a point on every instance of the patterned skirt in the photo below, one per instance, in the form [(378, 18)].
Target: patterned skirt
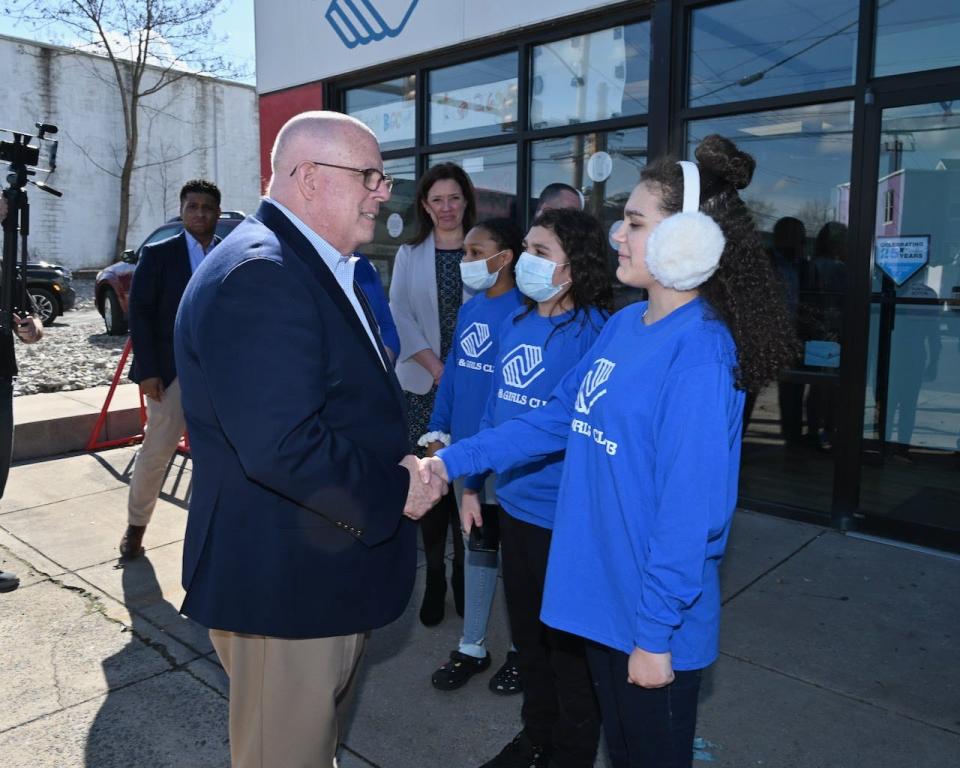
[(419, 408)]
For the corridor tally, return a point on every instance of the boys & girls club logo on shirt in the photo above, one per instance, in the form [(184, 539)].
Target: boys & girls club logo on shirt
[(359, 22), (590, 390), (476, 339), (522, 365)]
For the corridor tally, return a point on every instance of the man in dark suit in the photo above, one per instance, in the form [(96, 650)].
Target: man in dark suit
[(162, 275), (297, 541)]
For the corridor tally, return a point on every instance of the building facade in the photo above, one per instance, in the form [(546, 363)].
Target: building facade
[(197, 126), (847, 106)]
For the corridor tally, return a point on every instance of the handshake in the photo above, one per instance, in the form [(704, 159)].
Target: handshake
[(428, 482)]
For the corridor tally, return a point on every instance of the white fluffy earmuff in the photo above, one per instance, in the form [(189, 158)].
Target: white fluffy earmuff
[(684, 249)]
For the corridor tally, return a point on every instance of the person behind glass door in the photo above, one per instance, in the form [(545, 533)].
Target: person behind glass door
[(651, 421), (426, 292), (558, 196), (829, 270), (789, 242), (28, 329)]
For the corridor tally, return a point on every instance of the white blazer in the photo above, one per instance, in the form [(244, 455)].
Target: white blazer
[(415, 310)]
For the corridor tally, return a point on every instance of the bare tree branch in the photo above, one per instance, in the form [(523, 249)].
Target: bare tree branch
[(150, 44)]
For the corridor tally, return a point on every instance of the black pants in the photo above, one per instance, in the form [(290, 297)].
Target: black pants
[(560, 709), (433, 528), (645, 727), (6, 429)]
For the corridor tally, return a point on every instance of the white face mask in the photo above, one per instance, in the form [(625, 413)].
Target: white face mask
[(475, 275), (535, 277)]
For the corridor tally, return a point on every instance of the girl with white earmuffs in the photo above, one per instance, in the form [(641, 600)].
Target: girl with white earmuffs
[(651, 421)]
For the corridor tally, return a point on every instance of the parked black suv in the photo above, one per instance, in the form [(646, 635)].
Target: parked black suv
[(50, 286)]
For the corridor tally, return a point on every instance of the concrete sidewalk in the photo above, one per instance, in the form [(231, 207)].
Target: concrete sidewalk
[(55, 423), (837, 652)]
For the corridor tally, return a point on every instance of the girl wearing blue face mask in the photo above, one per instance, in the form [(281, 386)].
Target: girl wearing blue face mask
[(490, 252), (565, 276)]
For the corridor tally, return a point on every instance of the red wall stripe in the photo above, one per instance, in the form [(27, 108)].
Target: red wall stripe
[(275, 109)]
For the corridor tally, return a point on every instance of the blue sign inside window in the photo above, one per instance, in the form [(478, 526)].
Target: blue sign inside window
[(902, 257)]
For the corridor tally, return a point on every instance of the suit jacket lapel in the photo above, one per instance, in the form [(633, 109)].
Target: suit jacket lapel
[(274, 219), (181, 263)]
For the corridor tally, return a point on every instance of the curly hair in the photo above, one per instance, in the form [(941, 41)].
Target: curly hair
[(744, 292), (441, 172), (201, 186), (506, 234), (585, 245)]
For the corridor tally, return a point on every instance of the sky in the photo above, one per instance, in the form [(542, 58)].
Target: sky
[(235, 25)]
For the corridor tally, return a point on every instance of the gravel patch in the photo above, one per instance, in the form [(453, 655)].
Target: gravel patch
[(75, 352)]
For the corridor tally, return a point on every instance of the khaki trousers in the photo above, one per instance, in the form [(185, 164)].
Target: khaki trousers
[(288, 698), (165, 425)]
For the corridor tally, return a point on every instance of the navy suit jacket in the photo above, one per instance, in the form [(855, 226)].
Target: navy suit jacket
[(296, 429), (159, 280)]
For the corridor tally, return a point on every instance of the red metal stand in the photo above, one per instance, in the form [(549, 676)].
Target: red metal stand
[(94, 443)]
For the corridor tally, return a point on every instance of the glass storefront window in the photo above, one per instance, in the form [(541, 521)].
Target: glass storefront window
[(493, 171), (914, 36), (591, 77), (912, 403), (475, 99), (799, 197), (756, 48), (388, 108), (396, 222), (604, 166)]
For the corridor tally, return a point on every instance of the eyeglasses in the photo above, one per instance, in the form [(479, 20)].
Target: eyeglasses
[(372, 177)]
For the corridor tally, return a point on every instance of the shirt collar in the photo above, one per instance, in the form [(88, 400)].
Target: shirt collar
[(330, 255)]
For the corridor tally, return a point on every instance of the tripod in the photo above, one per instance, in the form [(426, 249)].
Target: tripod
[(21, 156)]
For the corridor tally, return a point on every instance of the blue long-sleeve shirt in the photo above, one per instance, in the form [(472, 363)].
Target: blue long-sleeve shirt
[(536, 353), (651, 423), (468, 370), (369, 281)]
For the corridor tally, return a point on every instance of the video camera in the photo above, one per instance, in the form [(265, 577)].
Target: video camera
[(24, 157)]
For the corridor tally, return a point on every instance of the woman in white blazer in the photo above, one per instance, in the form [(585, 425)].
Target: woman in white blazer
[(425, 296)]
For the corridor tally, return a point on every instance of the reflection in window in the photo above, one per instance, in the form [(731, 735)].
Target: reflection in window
[(604, 166), (475, 99), (591, 77), (920, 170), (756, 48), (916, 35), (799, 196), (493, 171), (387, 108), (396, 221)]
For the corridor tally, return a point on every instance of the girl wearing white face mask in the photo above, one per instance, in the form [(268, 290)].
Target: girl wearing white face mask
[(566, 278), (490, 252)]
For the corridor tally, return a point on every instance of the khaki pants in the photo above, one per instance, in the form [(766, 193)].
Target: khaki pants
[(165, 425), (288, 698)]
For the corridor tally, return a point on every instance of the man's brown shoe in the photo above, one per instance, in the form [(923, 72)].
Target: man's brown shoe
[(131, 545)]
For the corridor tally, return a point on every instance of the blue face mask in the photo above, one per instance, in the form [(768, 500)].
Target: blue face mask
[(474, 273), (535, 277)]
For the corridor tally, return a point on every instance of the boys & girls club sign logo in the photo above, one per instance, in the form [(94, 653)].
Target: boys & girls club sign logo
[(358, 22)]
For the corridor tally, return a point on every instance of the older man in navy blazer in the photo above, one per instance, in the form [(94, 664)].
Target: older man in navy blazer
[(158, 283), (300, 536)]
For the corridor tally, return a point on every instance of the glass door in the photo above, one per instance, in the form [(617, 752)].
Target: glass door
[(911, 433)]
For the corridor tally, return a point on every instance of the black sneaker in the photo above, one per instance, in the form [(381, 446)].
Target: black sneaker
[(458, 670), (520, 753)]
